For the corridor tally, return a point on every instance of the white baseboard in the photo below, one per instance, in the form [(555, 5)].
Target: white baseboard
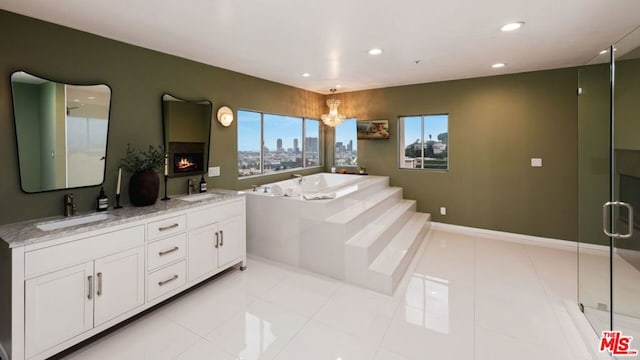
[(521, 238)]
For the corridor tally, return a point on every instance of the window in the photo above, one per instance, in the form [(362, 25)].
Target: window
[(346, 146), (269, 143), (424, 142)]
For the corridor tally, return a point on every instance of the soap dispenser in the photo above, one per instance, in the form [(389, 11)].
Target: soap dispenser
[(203, 185), (102, 201)]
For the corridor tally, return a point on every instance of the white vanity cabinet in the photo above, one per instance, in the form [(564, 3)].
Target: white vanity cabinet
[(72, 299), (216, 239), (57, 291), (68, 302)]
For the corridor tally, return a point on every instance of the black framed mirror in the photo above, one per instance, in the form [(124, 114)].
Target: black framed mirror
[(186, 128), (61, 132)]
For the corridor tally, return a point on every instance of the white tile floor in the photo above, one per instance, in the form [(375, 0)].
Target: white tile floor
[(463, 297)]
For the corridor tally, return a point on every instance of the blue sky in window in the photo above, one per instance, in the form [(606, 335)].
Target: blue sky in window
[(347, 131), (433, 124)]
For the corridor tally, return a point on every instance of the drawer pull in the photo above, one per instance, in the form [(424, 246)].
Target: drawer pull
[(217, 239), (221, 238), (90, 280), (99, 292), (174, 277), (168, 227), (163, 253)]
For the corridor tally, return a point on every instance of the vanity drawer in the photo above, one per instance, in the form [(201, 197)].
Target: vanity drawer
[(48, 259), (214, 214), (160, 228), (165, 280), (165, 251)]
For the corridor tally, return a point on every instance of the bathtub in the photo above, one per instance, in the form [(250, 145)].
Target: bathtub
[(327, 185), (285, 225)]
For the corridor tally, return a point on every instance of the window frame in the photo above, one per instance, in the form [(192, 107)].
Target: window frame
[(402, 145), (302, 146)]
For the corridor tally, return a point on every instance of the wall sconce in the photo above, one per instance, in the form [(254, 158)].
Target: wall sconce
[(225, 116), (333, 119)]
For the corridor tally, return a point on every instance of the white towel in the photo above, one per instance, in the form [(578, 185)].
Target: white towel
[(318, 196)]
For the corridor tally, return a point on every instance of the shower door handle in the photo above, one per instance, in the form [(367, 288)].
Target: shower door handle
[(605, 219)]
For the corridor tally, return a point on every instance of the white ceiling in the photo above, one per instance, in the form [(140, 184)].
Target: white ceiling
[(280, 40)]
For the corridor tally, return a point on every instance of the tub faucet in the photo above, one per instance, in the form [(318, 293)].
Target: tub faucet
[(299, 177), (69, 206)]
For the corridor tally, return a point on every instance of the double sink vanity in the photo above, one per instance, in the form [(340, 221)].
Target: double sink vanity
[(64, 280)]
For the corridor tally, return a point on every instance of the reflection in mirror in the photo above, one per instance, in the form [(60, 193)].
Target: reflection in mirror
[(61, 132), (186, 127)]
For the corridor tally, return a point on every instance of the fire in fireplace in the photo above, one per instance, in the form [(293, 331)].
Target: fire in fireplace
[(186, 158)]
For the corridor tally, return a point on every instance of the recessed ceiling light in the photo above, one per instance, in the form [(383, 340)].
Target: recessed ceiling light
[(76, 100), (306, 74), (604, 52), (375, 51), (512, 26), (91, 97), (498, 65), (338, 86)]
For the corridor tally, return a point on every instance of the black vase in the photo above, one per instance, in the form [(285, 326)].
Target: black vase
[(144, 188)]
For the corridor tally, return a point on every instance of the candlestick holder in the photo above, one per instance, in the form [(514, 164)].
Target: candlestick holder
[(117, 202), (166, 177)]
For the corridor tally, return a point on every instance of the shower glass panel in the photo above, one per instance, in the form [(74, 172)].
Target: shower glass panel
[(609, 189), (626, 180), (594, 186)]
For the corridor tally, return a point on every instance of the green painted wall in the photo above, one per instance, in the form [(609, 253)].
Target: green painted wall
[(496, 125), (138, 78)]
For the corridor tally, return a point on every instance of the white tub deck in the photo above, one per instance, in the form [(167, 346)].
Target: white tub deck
[(366, 233)]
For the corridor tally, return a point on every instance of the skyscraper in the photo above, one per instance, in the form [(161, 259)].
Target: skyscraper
[(279, 145), (296, 149)]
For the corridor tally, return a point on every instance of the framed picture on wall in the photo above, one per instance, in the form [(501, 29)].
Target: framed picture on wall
[(372, 129)]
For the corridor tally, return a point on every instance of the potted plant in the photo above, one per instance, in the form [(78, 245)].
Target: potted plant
[(144, 184), (362, 169)]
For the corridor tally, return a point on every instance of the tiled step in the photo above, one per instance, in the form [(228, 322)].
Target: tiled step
[(387, 269), (349, 195), (367, 244), (362, 212), (362, 206)]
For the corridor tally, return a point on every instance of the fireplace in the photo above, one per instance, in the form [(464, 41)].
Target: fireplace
[(186, 158)]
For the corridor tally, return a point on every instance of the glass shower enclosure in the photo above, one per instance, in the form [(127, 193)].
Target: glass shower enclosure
[(609, 189)]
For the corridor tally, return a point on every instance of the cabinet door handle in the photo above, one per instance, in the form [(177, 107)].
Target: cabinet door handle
[(90, 279), (221, 238), (163, 253), (168, 227), (174, 277), (217, 238), (99, 292)]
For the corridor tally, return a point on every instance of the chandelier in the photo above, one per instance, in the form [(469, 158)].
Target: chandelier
[(333, 119)]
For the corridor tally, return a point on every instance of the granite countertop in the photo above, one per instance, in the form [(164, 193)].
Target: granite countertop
[(26, 232)]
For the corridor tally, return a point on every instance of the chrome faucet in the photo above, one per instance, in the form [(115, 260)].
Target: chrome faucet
[(69, 206), (191, 187), (300, 178)]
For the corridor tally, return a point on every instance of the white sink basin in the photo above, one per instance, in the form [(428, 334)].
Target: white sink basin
[(202, 196), (73, 221)]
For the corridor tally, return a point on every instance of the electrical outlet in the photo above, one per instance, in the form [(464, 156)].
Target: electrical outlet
[(214, 171), (536, 162), (443, 211)]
